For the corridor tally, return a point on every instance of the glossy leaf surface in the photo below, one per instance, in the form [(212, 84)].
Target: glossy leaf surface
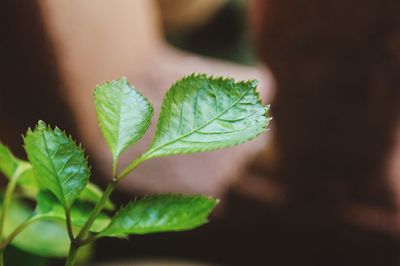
[(160, 213)]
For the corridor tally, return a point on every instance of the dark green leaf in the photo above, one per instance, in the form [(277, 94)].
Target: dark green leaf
[(161, 213)]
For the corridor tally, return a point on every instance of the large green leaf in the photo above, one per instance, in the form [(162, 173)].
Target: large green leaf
[(201, 113), (160, 213), (124, 115), (47, 238), (60, 165), (48, 207)]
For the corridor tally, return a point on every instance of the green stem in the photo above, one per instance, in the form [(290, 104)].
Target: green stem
[(131, 166), (73, 252), (69, 225), (100, 205), (114, 168), (18, 230), (88, 240), (97, 209), (7, 199), (80, 239)]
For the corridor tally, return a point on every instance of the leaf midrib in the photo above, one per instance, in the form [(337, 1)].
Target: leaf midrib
[(153, 150), (53, 167), (117, 142)]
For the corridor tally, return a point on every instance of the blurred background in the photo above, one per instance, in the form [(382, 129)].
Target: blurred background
[(322, 187)]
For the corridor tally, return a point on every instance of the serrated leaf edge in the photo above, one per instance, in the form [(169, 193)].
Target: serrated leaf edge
[(147, 121), (252, 87), (41, 125)]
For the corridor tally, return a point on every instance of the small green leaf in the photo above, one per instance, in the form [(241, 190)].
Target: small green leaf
[(160, 213), (48, 207), (60, 165), (8, 163), (201, 113), (124, 115)]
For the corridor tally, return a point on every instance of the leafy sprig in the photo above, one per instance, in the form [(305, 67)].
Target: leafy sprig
[(199, 113)]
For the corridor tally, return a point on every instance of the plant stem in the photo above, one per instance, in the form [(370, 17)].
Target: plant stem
[(18, 230), (78, 241), (4, 210), (7, 199), (100, 205), (73, 252), (69, 225), (97, 209), (131, 166), (114, 168), (88, 240)]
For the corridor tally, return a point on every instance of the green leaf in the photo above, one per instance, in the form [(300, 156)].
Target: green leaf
[(28, 181), (124, 115), (43, 237), (48, 207), (160, 213), (59, 164), (201, 113), (8, 163)]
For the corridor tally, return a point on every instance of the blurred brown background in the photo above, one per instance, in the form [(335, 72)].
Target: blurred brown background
[(321, 188)]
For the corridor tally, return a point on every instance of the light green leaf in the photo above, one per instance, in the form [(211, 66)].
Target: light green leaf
[(48, 207), (59, 164), (124, 115), (160, 213), (43, 238), (27, 179), (201, 113), (8, 163)]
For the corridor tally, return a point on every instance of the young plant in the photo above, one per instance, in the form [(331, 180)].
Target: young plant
[(199, 113)]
